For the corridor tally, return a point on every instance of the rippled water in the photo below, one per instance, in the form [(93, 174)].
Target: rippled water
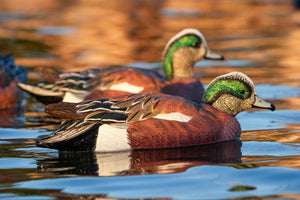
[(260, 38)]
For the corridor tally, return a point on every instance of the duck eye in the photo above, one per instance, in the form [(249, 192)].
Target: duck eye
[(196, 44), (242, 91)]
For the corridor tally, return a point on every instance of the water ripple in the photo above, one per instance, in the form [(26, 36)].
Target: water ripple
[(266, 120), (196, 183)]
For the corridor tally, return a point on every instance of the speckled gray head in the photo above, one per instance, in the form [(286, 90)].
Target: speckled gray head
[(183, 50), (233, 93)]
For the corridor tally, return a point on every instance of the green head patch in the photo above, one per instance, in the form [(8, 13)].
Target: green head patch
[(237, 88), (184, 41)]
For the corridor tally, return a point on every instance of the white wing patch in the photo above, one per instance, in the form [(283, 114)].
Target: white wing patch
[(127, 87), (74, 97), (112, 139), (175, 116)]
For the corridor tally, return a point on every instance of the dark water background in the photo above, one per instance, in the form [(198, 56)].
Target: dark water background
[(259, 38)]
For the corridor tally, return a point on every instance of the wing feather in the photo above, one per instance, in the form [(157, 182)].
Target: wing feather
[(67, 131), (135, 108)]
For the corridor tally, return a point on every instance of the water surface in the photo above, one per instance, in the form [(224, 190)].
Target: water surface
[(259, 38)]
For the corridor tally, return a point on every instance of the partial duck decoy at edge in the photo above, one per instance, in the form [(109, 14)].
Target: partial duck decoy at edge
[(10, 76), (157, 121), (179, 56)]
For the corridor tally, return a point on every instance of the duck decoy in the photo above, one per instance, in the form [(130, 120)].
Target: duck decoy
[(154, 121), (10, 76), (179, 56)]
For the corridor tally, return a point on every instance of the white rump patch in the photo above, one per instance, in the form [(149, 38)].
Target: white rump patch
[(74, 97), (175, 116), (127, 87), (111, 139)]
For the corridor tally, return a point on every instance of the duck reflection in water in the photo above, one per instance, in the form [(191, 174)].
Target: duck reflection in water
[(135, 162)]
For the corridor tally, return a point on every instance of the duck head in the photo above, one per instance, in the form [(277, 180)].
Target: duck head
[(183, 50), (233, 93)]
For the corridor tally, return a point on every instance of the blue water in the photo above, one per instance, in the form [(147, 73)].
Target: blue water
[(203, 182), (207, 172), (258, 38)]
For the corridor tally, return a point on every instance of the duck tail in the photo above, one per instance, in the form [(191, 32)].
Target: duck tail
[(48, 74), (73, 135), (64, 110)]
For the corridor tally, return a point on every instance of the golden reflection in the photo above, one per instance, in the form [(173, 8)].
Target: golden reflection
[(282, 161), (289, 103), (289, 136), (118, 32), (76, 35)]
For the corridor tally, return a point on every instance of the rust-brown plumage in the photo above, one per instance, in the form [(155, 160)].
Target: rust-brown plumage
[(137, 114), (155, 121)]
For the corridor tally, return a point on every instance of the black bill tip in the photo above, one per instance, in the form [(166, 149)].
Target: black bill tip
[(273, 107)]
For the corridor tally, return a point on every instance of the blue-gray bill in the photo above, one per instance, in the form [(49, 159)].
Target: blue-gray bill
[(260, 103), (211, 55)]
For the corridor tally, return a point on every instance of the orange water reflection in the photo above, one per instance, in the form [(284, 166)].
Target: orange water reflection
[(289, 136), (75, 35), (120, 32)]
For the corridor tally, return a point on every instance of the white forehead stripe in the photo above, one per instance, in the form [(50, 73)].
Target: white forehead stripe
[(182, 33), (127, 87), (174, 116)]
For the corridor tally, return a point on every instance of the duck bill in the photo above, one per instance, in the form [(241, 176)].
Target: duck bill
[(260, 103), (210, 55)]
